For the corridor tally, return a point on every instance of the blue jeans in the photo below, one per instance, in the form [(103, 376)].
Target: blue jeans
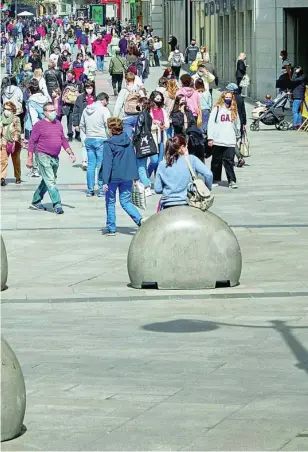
[(155, 159), (143, 173), (9, 64), (94, 148), (100, 62), (48, 167), (297, 116), (129, 124), (169, 133), (205, 120), (125, 192)]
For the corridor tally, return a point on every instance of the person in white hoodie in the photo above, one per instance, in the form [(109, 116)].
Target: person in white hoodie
[(224, 128), (34, 113), (38, 75), (93, 124)]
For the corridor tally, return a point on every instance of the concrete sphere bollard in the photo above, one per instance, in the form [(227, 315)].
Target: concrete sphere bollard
[(184, 248), (13, 394), (4, 265)]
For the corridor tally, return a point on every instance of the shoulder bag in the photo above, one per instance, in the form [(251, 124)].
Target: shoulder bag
[(145, 146), (198, 195), (245, 146)]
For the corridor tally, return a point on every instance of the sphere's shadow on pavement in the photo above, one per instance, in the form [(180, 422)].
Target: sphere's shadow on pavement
[(181, 326)]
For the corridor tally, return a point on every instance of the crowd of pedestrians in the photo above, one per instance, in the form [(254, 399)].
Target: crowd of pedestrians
[(148, 134)]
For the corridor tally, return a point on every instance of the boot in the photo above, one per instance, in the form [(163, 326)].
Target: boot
[(77, 136), (70, 137)]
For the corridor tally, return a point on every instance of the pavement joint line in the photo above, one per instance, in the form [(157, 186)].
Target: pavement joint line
[(89, 299), (81, 228)]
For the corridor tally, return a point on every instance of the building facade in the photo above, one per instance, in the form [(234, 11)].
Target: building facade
[(260, 28)]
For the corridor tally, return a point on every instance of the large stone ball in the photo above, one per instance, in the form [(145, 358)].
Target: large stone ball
[(184, 248), (13, 394), (4, 265)]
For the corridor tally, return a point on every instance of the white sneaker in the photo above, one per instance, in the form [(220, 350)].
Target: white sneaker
[(215, 184), (148, 191)]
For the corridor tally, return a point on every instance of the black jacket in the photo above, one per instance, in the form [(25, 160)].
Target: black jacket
[(298, 86), (177, 119), (144, 120), (80, 105), (53, 80), (240, 69), (241, 109), (36, 63)]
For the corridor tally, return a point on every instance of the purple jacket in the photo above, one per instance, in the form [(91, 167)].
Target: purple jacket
[(123, 46)]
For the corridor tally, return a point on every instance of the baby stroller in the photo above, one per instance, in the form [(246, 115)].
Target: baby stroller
[(272, 116)]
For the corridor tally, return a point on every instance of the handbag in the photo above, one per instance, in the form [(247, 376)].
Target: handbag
[(245, 82), (145, 146), (138, 197), (245, 146), (198, 195)]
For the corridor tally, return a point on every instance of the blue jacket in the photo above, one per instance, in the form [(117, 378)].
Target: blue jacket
[(172, 181), (120, 162)]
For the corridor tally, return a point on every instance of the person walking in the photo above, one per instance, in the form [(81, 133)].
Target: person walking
[(38, 75), (205, 104), (70, 93), (157, 50), (53, 78), (181, 117), (169, 97), (176, 59), (144, 124), (212, 70), (90, 67), (223, 131), (10, 134), (192, 96), (10, 54), (173, 174), (46, 141), (240, 70), (298, 94), (93, 125), (118, 173), (241, 110), (191, 53), (99, 49), (117, 67), (143, 67)]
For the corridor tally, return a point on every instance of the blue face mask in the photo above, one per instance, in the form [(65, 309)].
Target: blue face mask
[(228, 102), (52, 115)]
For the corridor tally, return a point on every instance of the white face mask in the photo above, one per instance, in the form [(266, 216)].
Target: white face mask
[(89, 90), (7, 113)]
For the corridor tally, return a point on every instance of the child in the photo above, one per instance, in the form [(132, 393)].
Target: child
[(268, 101)]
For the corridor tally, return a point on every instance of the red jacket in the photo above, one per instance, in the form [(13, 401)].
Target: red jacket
[(108, 38), (99, 47)]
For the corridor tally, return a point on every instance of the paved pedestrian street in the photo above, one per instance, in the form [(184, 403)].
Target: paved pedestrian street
[(108, 367)]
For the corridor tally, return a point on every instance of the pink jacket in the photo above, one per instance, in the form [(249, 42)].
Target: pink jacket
[(99, 47), (192, 98)]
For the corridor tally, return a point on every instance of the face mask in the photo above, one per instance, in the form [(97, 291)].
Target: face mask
[(7, 113), (200, 74), (52, 115), (228, 102), (89, 91), (193, 43), (281, 57)]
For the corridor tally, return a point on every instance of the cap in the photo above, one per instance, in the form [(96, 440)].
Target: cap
[(232, 87)]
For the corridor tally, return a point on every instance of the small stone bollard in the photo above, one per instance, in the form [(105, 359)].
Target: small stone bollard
[(4, 265), (184, 248), (13, 394)]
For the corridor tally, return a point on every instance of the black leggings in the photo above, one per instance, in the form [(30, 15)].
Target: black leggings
[(176, 71), (117, 79), (222, 155)]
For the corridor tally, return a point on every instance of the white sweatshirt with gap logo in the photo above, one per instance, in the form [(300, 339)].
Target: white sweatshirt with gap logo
[(221, 129)]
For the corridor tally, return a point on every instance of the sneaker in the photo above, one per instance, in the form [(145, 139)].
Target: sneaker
[(90, 194), (101, 194), (38, 206), (84, 166), (34, 172), (59, 211), (110, 234), (143, 220), (115, 93), (215, 184), (232, 184), (148, 191)]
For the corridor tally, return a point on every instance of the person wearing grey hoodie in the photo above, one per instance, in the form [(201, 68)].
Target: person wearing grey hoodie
[(93, 124), (224, 129)]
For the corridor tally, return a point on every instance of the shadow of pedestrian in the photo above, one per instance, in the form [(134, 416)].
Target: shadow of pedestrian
[(181, 326)]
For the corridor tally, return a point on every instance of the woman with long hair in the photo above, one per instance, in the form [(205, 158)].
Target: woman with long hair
[(38, 75), (224, 128), (144, 122), (173, 175), (90, 67), (181, 117), (159, 126), (169, 96), (205, 103), (240, 70)]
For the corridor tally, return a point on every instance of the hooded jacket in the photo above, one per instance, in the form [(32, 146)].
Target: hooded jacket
[(192, 98), (120, 164), (35, 113), (94, 121), (13, 94)]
